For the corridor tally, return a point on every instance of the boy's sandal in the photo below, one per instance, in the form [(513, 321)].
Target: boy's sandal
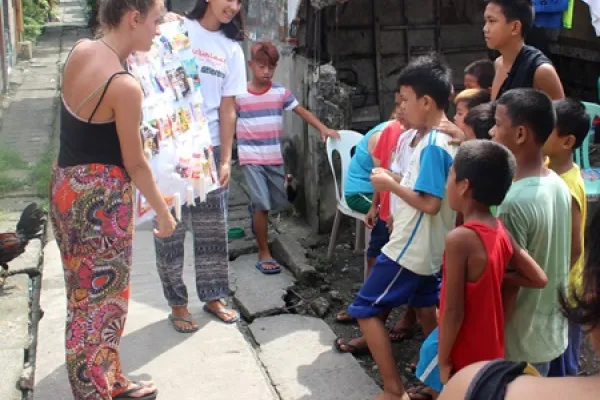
[(419, 393), (402, 334), (219, 314), (268, 271), (136, 388), (350, 348), (173, 319), (344, 318)]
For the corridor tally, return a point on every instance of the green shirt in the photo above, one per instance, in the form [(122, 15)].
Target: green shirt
[(537, 212)]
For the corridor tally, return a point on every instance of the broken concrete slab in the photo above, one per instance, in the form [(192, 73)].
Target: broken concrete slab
[(298, 353), (255, 293), (14, 314), (288, 251), (11, 365)]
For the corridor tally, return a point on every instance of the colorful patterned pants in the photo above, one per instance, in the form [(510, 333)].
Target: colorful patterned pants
[(208, 223), (92, 216)]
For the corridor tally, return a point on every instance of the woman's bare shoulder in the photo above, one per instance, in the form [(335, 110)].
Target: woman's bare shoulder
[(526, 386)]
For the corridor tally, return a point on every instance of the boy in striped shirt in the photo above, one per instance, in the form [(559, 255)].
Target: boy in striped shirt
[(259, 130)]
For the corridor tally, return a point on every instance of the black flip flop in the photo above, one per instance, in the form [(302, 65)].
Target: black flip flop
[(403, 333), (188, 320), (127, 394), (355, 351)]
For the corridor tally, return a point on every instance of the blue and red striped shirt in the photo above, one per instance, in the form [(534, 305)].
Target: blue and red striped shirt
[(260, 124)]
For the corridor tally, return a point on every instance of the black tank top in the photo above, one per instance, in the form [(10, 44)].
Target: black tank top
[(522, 72), (88, 142)]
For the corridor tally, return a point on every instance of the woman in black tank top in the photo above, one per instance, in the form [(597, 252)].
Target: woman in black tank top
[(500, 380), (92, 196)]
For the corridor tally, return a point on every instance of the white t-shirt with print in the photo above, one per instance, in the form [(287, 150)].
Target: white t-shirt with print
[(400, 161), (222, 69)]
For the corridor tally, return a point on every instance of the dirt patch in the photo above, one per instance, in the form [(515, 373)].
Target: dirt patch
[(340, 280)]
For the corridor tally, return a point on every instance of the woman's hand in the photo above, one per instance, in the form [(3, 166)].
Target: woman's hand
[(166, 225), (171, 16), (224, 174), (450, 129)]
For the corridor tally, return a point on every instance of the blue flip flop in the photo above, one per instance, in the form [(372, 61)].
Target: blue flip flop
[(272, 271), (217, 314)]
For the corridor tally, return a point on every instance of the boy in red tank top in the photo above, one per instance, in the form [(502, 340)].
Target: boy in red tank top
[(471, 319)]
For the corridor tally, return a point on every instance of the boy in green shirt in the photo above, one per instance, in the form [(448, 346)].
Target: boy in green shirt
[(537, 212)]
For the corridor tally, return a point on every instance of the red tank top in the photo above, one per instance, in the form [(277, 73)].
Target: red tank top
[(481, 336)]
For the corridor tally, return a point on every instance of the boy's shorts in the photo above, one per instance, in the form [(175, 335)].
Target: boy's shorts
[(390, 285), (266, 184), (380, 235), (428, 368)]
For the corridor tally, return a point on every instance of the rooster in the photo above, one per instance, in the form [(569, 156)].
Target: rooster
[(30, 226), (291, 189)]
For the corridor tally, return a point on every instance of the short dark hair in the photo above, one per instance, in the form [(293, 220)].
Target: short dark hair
[(110, 12), (483, 70), (572, 119), (481, 120), (266, 52), (517, 10), (429, 76), (481, 97), (530, 107), (489, 167)]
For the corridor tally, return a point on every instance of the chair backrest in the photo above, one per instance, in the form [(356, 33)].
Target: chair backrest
[(582, 154), (344, 145)]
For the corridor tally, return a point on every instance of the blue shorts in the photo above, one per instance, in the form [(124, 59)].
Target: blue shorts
[(390, 285), (266, 184), (380, 235), (428, 369)]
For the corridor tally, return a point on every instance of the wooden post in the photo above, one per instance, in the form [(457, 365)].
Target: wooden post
[(18, 5), (3, 59), (378, 63)]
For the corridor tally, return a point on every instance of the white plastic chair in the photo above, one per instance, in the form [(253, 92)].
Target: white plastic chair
[(348, 140)]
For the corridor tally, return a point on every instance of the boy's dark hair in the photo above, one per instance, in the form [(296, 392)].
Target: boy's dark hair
[(489, 167), (429, 76), (572, 119), (265, 52), (532, 108), (517, 10), (483, 70), (481, 119), (481, 97)]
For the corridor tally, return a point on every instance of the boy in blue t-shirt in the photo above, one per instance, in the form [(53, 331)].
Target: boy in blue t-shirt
[(407, 270)]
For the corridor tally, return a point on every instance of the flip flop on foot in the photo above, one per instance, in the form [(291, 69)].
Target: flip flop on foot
[(274, 267), (343, 346), (398, 335), (139, 392), (344, 318), (191, 325), (223, 315), (420, 393)]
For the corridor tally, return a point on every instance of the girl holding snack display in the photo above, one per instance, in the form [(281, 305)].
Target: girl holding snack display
[(214, 29), (91, 196)]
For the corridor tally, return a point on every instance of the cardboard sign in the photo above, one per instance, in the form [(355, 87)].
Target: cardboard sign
[(174, 127)]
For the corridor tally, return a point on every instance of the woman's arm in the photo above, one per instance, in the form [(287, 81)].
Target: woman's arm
[(227, 118), (126, 100)]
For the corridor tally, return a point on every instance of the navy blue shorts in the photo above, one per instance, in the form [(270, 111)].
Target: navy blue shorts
[(389, 285), (379, 238)]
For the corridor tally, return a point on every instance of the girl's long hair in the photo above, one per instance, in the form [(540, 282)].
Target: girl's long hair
[(586, 307), (233, 30)]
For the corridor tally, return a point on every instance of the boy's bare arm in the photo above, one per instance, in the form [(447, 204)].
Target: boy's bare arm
[(576, 247), (424, 202), (524, 271), (458, 244), (311, 119), (546, 79)]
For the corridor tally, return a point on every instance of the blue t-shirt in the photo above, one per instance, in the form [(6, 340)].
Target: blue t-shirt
[(358, 179)]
